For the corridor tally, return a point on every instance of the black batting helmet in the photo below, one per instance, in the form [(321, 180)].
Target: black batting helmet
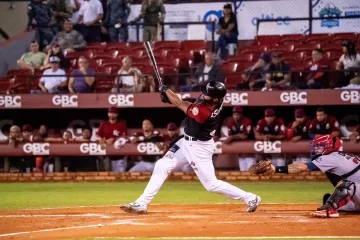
[(215, 89)]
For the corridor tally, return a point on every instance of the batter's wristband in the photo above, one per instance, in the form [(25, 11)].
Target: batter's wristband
[(284, 169)]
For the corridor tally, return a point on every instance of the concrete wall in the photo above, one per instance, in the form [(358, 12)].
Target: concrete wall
[(13, 20)]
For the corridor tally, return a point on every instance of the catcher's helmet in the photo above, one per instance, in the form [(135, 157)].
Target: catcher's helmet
[(215, 89), (325, 144)]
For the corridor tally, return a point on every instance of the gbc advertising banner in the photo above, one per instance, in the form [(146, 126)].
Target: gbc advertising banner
[(184, 12), (248, 12), (330, 8)]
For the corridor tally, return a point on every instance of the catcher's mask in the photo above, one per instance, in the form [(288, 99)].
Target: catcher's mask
[(325, 144)]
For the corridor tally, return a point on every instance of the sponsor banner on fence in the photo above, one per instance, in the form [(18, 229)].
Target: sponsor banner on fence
[(150, 100), (85, 149), (331, 8), (249, 11), (184, 12)]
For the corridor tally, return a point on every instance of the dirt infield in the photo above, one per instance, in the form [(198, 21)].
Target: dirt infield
[(214, 220)]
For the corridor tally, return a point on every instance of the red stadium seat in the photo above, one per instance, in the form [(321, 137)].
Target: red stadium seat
[(99, 46), (108, 54), (194, 45), (281, 48), (254, 48), (270, 40), (167, 45), (76, 55), (317, 38), (291, 39), (305, 47), (340, 37), (232, 81), (170, 76), (229, 68), (333, 54), (110, 63)]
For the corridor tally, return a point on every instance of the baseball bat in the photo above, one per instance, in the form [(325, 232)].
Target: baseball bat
[(150, 53)]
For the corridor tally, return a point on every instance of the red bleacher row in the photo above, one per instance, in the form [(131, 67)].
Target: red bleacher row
[(175, 57)]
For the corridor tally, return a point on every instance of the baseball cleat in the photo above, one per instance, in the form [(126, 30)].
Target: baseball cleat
[(253, 204), (326, 197), (133, 208), (325, 213)]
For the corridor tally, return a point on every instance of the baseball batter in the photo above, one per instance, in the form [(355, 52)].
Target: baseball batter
[(341, 168), (196, 148)]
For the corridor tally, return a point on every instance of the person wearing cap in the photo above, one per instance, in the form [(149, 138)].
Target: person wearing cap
[(254, 77), (239, 129), (349, 60), (271, 128), (109, 131), (55, 51), (32, 60), (27, 132), (69, 39), (228, 31), (324, 124), (54, 78), (299, 130), (278, 76)]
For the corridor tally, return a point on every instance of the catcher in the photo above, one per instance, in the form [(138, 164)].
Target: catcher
[(341, 168)]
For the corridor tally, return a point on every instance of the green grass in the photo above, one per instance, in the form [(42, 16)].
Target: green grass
[(41, 195)]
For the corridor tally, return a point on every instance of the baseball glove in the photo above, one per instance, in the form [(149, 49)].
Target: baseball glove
[(261, 167), (164, 98)]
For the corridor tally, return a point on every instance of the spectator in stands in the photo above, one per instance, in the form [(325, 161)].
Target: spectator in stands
[(15, 136), (42, 15), (66, 162), (207, 72), (69, 39), (32, 60), (271, 129), (299, 130), (117, 14), (350, 60), (75, 5), (90, 15), (61, 11), (109, 131), (85, 134), (53, 79), (255, 76), (239, 129), (43, 133), (324, 124), (355, 134), (278, 76), (153, 12), (56, 51), (129, 83), (82, 79), (147, 162), (146, 83), (317, 77), (228, 31)]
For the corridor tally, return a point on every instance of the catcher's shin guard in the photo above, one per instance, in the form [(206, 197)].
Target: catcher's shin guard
[(342, 194)]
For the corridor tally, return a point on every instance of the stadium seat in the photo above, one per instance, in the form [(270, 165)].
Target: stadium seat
[(132, 54), (117, 46), (340, 37), (97, 46), (229, 68), (254, 48), (76, 55), (302, 53), (333, 54), (244, 57), (19, 72), (110, 63), (304, 47), (169, 76), (167, 45), (331, 47), (281, 48), (317, 38), (291, 39), (112, 54), (269, 40), (232, 81), (196, 45)]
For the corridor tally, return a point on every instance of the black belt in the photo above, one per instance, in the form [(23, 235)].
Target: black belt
[(351, 172), (188, 138)]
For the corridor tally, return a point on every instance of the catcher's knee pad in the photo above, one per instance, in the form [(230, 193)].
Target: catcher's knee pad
[(343, 192)]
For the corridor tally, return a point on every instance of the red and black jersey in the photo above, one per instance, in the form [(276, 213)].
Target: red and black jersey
[(300, 130), (203, 119), (327, 127), (154, 137), (242, 126)]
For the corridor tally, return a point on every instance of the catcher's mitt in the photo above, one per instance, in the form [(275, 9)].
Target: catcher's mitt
[(261, 167)]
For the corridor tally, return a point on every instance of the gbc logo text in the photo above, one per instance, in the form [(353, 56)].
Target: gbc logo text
[(37, 148), (121, 100), (10, 101), (65, 100), (236, 98), (294, 97), (268, 147), (350, 96), (148, 148), (92, 149)]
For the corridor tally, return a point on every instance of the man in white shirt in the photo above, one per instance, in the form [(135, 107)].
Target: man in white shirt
[(53, 78), (90, 14)]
